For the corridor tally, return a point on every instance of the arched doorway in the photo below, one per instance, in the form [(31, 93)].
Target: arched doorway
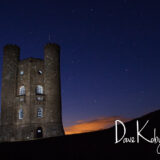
[(39, 132)]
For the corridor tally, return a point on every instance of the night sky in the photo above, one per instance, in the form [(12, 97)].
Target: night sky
[(110, 52)]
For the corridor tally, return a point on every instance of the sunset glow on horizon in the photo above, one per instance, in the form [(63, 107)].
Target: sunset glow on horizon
[(99, 123)]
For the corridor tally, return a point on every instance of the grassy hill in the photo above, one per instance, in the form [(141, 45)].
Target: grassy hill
[(93, 145)]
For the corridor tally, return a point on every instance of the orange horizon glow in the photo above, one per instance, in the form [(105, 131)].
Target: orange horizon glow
[(100, 123)]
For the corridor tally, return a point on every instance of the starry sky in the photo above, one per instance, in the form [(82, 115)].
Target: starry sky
[(110, 52)]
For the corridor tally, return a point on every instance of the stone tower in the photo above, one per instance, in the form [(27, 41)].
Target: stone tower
[(31, 95)]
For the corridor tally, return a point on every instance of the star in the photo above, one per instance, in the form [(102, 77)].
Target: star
[(73, 11), (92, 9), (95, 101), (126, 70)]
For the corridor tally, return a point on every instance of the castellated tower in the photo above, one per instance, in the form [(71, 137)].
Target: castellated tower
[(31, 95)]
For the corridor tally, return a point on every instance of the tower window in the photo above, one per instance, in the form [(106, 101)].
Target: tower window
[(21, 73), (39, 89), (21, 113), (22, 91), (40, 112), (21, 99), (40, 98), (39, 131), (40, 72)]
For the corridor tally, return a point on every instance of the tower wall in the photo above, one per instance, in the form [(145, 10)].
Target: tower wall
[(53, 116), (28, 74), (9, 81)]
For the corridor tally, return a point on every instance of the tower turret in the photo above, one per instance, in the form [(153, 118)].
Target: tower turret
[(9, 77), (52, 88)]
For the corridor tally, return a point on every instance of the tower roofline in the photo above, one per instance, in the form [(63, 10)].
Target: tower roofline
[(31, 59), (52, 46), (11, 47)]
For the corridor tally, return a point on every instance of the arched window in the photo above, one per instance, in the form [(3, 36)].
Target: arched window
[(21, 72), (40, 112), (39, 89), (40, 72), (21, 113), (22, 91)]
